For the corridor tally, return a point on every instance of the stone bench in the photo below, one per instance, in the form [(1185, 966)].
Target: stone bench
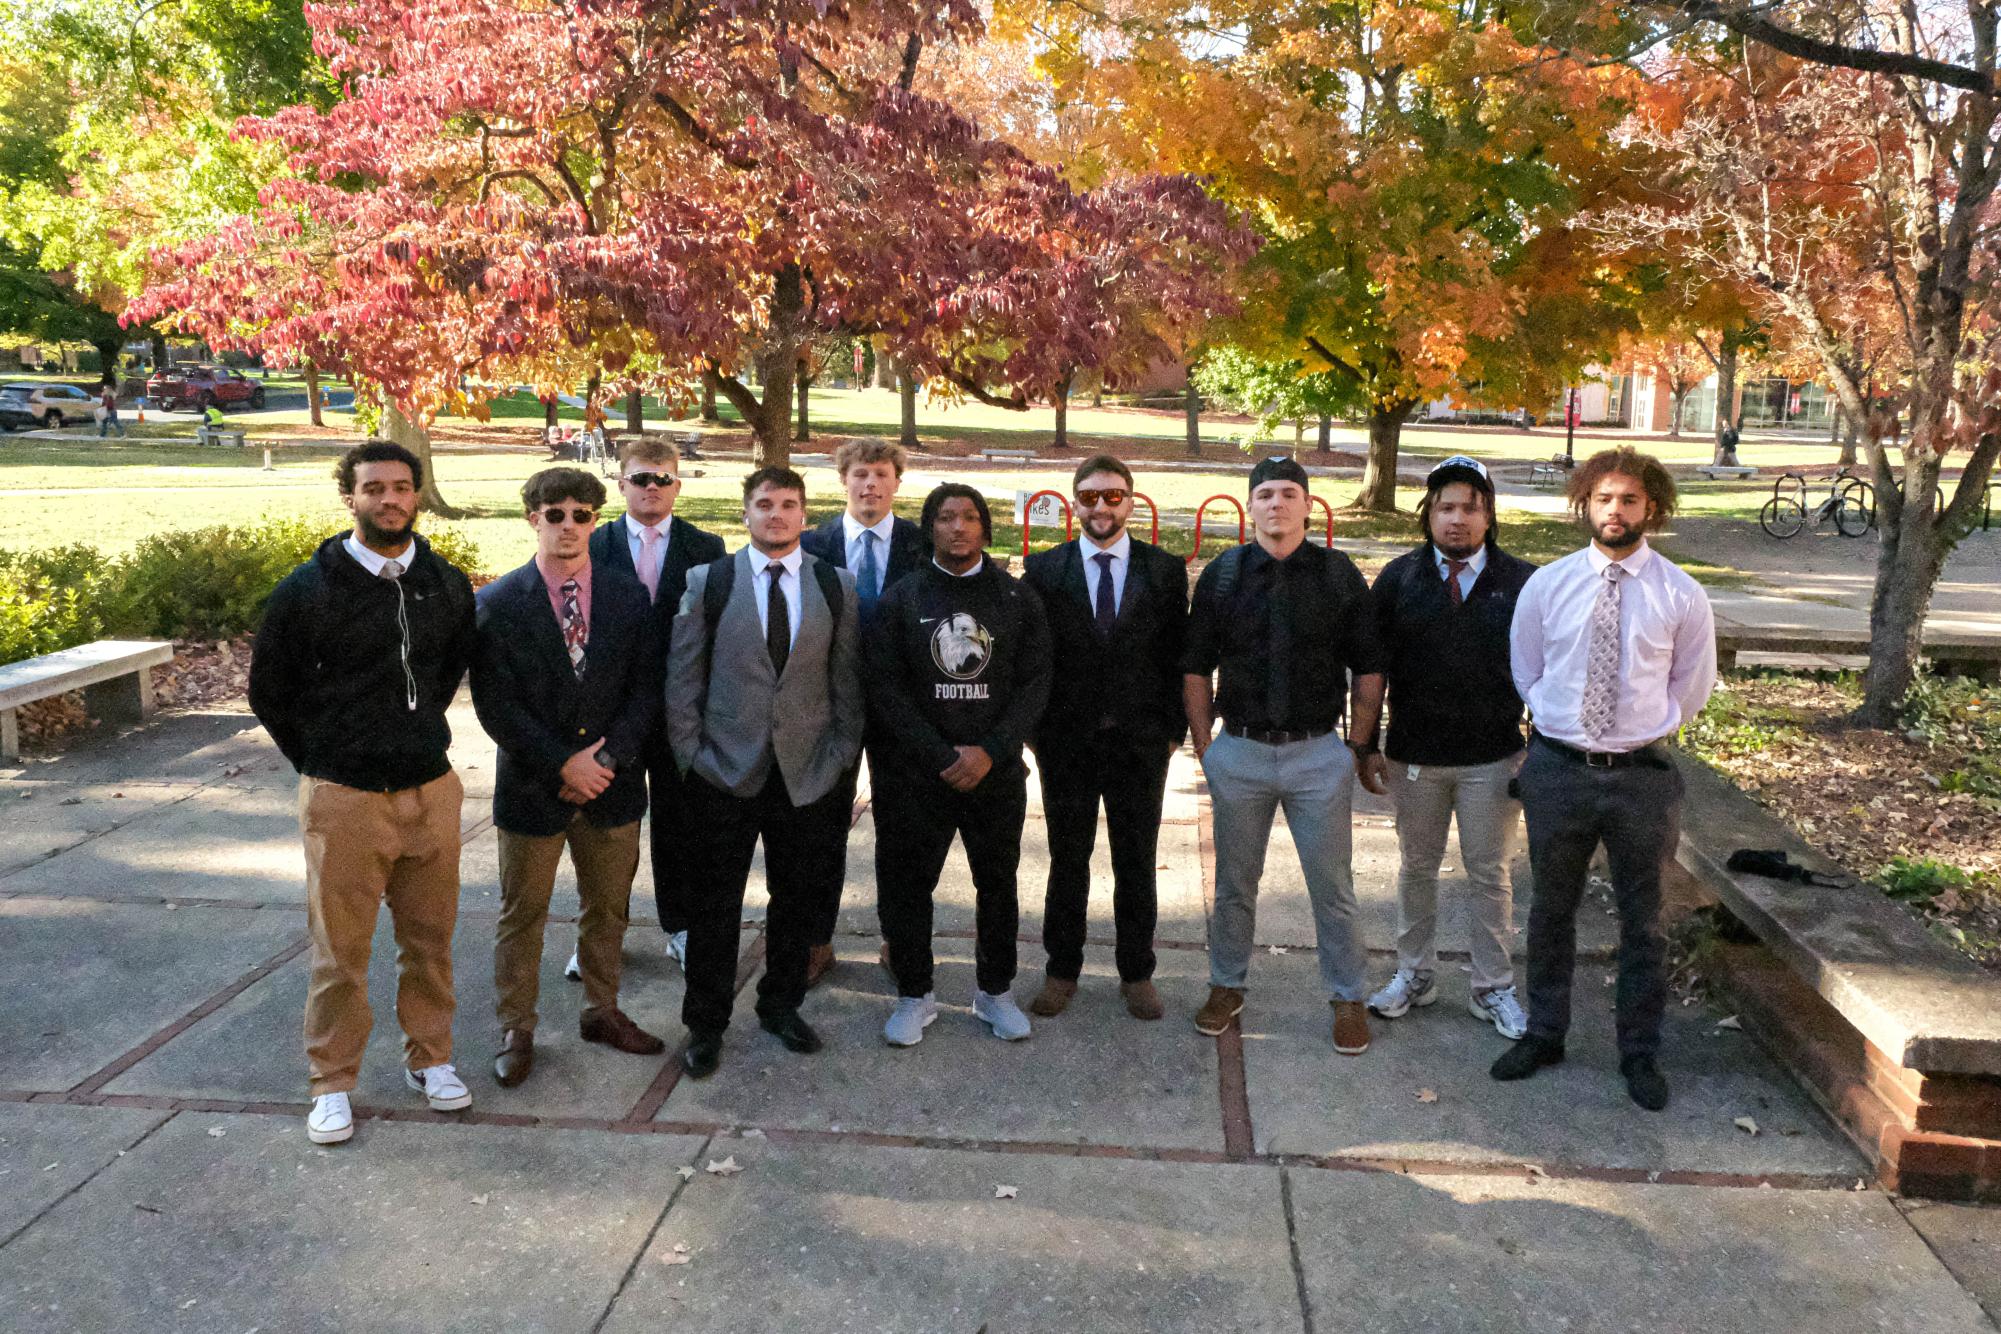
[(1718, 471), (1897, 1034), (1953, 655), (220, 435), (114, 674), (991, 454)]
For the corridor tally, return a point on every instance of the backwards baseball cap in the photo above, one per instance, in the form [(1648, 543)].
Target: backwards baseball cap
[(1460, 468), (1278, 468)]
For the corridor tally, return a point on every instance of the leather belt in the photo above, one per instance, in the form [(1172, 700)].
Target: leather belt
[(1272, 736), (1605, 759)]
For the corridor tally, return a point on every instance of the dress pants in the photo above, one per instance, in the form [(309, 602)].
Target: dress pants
[(915, 820), (1428, 798), (803, 847), (363, 848), (1571, 808), (1131, 780), (605, 861), (826, 914), (667, 836)]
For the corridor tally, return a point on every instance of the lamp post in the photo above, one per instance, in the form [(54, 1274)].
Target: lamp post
[(1570, 427)]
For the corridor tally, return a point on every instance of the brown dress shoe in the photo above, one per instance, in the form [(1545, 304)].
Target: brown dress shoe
[(1223, 1005), (819, 963), (516, 1058), (1054, 997), (1351, 1027), (1142, 999), (615, 1030)]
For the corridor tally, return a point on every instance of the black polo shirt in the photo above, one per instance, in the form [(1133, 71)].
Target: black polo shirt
[(1285, 636)]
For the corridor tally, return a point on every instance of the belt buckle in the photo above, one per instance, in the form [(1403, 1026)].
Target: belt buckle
[(1598, 759)]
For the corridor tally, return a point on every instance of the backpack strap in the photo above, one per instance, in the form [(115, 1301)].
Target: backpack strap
[(1229, 571)]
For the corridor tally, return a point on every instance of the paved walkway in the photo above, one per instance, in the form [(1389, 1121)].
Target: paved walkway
[(1105, 1176)]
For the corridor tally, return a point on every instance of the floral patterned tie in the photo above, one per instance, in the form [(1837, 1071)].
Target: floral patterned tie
[(1601, 663), (575, 631)]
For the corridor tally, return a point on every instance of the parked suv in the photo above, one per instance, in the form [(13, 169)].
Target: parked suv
[(31, 405), (198, 386)]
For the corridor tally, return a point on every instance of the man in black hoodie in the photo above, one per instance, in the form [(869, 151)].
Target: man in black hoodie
[(360, 653), (958, 675), (1455, 739)]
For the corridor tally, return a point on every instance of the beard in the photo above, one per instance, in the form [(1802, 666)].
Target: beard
[(374, 534), (1102, 526), (1456, 550), (1626, 539)]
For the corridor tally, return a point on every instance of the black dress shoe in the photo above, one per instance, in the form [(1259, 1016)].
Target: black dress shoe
[(790, 1029), (1644, 1082), (702, 1055), (1526, 1057)]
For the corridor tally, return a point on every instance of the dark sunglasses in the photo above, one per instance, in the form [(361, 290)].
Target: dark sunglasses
[(582, 518), (1113, 496), (663, 480)]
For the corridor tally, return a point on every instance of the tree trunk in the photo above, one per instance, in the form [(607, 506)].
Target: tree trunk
[(313, 392), (1298, 434), (1098, 393), (1191, 410), (417, 440), (1848, 442), (709, 397), (1063, 410), (906, 390), (1679, 400), (1326, 440), (549, 412), (159, 343), (1726, 402), (1379, 474), (804, 430), (885, 370), (1907, 570), (635, 412)]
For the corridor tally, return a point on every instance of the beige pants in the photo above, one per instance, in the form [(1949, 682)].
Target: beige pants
[(363, 848), (605, 861), (1428, 798)]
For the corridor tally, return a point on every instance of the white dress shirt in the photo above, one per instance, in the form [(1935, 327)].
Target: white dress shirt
[(373, 561), (852, 536), (978, 565), (633, 529), (1121, 553), (1667, 647), (1468, 576), (761, 588)]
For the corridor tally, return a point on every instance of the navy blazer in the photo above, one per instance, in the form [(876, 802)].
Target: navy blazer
[(531, 703), (687, 547), (908, 549), (1131, 677)]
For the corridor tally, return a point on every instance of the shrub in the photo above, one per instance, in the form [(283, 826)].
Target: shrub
[(34, 621), (1921, 879)]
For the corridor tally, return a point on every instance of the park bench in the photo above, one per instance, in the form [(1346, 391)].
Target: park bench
[(1952, 655), (1897, 1034), (1549, 472), (115, 676), (689, 443), (220, 435), (1718, 471), (995, 453)]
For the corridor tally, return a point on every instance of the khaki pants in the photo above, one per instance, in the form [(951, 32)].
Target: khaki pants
[(605, 861), (1428, 797), (363, 848)]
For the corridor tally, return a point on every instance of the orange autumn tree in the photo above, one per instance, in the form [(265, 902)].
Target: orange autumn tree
[(1413, 169)]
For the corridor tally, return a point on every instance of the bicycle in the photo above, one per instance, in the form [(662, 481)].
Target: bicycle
[(1864, 495), (1785, 516), (590, 449)]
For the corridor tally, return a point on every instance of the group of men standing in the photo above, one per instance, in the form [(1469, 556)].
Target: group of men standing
[(635, 670)]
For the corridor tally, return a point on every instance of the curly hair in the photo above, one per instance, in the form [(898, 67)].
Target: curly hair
[(944, 491), (553, 484), (868, 449), (1624, 461), (376, 450)]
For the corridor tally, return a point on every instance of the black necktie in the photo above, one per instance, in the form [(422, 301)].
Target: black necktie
[(1106, 613), (777, 620)]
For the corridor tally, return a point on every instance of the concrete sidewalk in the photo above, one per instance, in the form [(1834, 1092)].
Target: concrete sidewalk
[(1106, 1175)]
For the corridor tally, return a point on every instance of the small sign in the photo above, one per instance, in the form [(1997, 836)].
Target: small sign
[(1048, 508)]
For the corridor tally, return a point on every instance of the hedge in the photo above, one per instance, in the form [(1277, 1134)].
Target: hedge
[(199, 583)]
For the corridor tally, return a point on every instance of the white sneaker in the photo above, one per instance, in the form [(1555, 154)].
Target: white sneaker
[(907, 1022), (573, 970), (441, 1087), (1001, 1014), (1401, 992), (677, 947), (331, 1121), (1501, 1008)]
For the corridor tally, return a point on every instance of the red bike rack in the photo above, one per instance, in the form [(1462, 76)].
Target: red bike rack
[(1028, 519), (1155, 539), (1316, 500), (1202, 509)]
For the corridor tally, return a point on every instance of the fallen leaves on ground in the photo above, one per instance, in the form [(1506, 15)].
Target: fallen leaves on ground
[(678, 1254), (1746, 1124), (724, 1167), (1006, 1192), (1427, 1095)]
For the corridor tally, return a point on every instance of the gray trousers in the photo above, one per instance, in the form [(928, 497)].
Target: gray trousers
[(1636, 813), (1428, 797), (1314, 781)]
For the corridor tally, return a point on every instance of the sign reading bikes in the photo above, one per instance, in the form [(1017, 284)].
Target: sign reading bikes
[(961, 647)]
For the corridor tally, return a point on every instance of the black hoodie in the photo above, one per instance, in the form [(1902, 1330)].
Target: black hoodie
[(328, 674)]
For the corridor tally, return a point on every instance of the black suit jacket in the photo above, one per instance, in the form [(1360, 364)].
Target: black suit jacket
[(1132, 677), (687, 547), (531, 703), (907, 548)]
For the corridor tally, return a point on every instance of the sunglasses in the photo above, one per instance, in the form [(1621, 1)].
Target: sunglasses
[(1113, 496), (555, 515), (663, 480)]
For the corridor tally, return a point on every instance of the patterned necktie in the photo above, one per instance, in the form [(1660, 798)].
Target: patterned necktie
[(575, 632), (392, 569), (1453, 569), (868, 574), (1601, 663), (777, 620), (1107, 615), (649, 562)]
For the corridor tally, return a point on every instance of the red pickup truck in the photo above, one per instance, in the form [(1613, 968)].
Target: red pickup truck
[(198, 386)]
